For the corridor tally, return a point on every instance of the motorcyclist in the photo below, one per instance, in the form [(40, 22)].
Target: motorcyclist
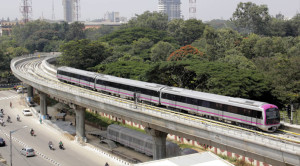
[(61, 145), (18, 117), (50, 145), (31, 132), (8, 118), (1, 122)]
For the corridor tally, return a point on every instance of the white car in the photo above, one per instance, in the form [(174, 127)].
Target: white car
[(26, 112), (27, 152)]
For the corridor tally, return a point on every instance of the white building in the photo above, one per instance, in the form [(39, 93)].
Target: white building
[(171, 8)]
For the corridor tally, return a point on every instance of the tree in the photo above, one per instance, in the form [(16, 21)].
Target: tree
[(218, 41), (160, 51), (236, 58), (184, 53), (83, 54), (124, 69), (154, 20), (141, 47), (252, 17), (186, 32), (128, 35), (283, 73), (75, 31), (248, 44)]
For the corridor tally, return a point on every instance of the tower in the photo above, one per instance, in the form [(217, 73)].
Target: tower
[(26, 10), (171, 8), (53, 13), (192, 9)]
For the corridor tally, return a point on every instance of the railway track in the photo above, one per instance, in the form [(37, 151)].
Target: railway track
[(35, 70)]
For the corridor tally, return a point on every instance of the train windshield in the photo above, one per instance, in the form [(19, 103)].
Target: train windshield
[(272, 116)]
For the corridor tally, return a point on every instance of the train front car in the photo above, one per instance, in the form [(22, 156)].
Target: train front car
[(271, 117)]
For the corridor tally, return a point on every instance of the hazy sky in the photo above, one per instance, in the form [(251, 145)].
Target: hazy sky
[(94, 9)]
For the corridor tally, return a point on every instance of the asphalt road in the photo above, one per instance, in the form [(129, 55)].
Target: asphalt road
[(74, 154)]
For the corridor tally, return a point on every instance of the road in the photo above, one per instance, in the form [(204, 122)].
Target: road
[(74, 154)]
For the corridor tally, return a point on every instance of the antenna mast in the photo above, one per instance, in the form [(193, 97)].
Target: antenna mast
[(26, 10), (53, 13), (192, 9)]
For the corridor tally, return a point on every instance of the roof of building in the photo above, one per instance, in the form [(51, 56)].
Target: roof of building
[(197, 159)]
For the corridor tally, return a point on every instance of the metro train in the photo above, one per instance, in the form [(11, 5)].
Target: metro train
[(138, 141), (242, 112)]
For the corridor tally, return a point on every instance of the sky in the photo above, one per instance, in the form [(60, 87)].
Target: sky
[(95, 9)]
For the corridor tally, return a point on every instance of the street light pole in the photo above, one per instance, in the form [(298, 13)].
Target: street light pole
[(10, 141)]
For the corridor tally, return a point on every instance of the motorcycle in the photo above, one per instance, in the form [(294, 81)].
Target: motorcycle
[(8, 120), (32, 133), (51, 147), (2, 123), (61, 146)]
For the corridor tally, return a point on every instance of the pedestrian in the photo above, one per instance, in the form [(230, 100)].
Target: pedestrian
[(41, 120), (10, 104)]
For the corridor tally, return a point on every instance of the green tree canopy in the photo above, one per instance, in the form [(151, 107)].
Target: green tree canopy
[(186, 32), (252, 17), (152, 20), (160, 51), (83, 54)]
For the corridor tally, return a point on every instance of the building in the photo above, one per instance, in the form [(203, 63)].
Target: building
[(6, 27), (69, 12), (112, 17), (171, 8)]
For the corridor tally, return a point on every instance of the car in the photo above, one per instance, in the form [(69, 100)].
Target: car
[(26, 112), (27, 152), (2, 142)]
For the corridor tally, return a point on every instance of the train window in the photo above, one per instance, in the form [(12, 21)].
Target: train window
[(225, 108), (213, 105), (206, 104), (200, 102), (164, 95), (241, 111), (259, 115), (254, 113), (189, 100), (233, 109), (248, 112)]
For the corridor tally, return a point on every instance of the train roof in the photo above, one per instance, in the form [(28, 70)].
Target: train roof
[(81, 72), (135, 83), (214, 97), (114, 79)]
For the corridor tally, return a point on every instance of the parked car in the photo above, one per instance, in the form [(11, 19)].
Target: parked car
[(27, 152), (26, 112), (2, 142)]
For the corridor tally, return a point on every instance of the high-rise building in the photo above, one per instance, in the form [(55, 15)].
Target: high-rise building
[(71, 10), (171, 8)]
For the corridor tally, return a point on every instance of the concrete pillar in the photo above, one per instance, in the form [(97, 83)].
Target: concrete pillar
[(80, 124), (43, 104), (30, 91), (159, 143)]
